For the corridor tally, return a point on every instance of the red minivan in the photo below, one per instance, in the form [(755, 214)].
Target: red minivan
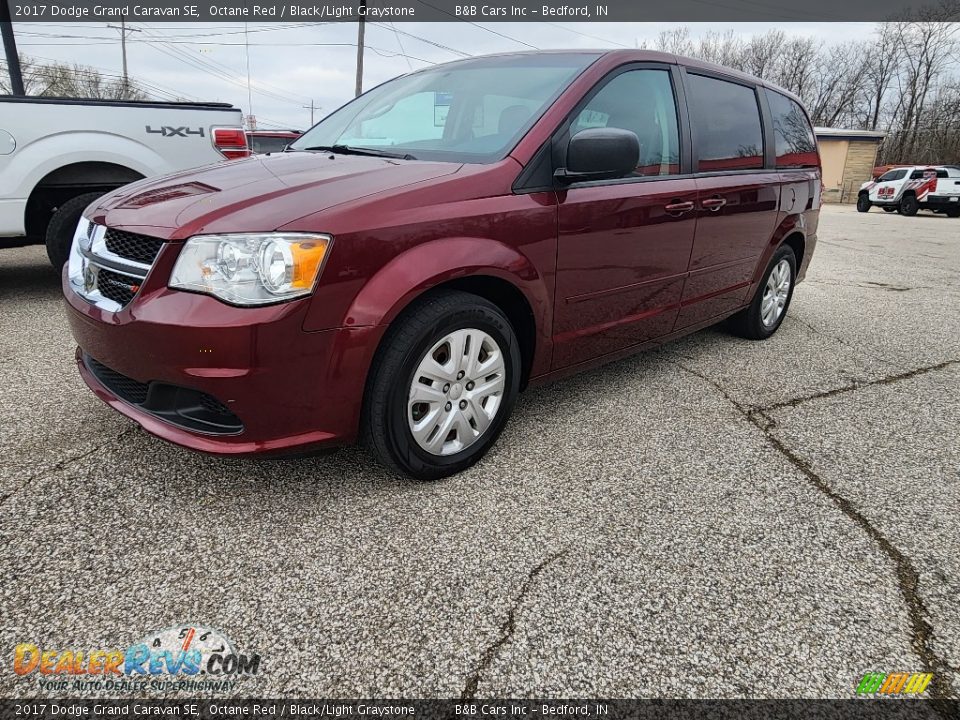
[(421, 255)]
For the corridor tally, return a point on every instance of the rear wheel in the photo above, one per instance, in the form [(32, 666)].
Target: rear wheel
[(769, 306), (953, 212), (909, 205), (863, 202), (62, 226), (442, 387)]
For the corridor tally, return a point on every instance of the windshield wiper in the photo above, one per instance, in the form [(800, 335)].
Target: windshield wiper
[(351, 150)]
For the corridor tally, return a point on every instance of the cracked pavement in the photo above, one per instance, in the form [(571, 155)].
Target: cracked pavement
[(719, 518)]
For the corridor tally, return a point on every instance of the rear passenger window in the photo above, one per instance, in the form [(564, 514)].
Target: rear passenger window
[(793, 137), (726, 124), (640, 101)]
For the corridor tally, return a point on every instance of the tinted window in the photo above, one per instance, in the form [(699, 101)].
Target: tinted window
[(793, 137), (726, 124), (892, 175), (640, 101)]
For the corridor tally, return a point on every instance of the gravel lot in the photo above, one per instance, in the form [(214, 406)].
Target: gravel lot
[(721, 518)]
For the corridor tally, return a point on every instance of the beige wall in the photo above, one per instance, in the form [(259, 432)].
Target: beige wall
[(833, 156), (847, 164)]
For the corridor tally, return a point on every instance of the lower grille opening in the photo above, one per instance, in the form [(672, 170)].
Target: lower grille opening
[(180, 406)]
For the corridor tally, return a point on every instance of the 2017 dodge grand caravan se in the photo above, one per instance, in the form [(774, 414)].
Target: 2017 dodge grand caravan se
[(408, 265)]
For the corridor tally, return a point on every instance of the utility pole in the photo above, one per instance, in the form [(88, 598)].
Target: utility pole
[(122, 27), (360, 29), (10, 47), (311, 108)]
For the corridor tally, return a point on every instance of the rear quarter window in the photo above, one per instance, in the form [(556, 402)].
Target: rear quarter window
[(726, 124), (794, 141)]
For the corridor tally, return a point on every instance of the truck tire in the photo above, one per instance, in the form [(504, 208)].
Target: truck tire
[(953, 212), (909, 205), (442, 386), (62, 226), (863, 203)]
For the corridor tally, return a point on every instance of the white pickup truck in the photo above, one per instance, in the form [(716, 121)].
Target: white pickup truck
[(58, 155), (909, 189)]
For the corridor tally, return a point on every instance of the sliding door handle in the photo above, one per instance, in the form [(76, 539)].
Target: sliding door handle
[(714, 203)]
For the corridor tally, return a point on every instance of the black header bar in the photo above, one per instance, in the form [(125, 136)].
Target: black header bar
[(273, 709), (486, 11)]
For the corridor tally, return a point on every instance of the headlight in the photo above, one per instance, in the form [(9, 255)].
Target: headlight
[(251, 268)]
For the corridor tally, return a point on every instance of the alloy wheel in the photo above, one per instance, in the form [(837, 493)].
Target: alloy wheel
[(775, 293)]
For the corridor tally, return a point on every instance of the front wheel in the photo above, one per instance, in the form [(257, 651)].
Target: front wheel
[(909, 205), (769, 306), (443, 384), (863, 203)]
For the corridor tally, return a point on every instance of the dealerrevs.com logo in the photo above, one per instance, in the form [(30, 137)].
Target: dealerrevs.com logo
[(183, 657)]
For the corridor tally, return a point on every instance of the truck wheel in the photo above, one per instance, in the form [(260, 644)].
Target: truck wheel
[(953, 212), (442, 386), (62, 226), (909, 205), (863, 203), (770, 303)]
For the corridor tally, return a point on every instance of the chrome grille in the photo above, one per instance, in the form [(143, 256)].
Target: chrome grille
[(108, 266)]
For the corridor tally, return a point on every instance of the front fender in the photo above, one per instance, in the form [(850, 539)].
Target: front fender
[(423, 267)]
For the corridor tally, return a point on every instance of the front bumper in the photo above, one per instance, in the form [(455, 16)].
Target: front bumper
[(289, 390)]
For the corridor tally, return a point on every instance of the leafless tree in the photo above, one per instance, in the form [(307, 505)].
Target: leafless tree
[(76, 81)]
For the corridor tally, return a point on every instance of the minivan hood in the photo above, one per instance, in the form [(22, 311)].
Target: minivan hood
[(257, 194)]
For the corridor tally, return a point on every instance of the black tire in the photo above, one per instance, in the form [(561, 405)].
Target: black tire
[(62, 226), (748, 322), (863, 203), (889, 209), (953, 212), (909, 205), (385, 428)]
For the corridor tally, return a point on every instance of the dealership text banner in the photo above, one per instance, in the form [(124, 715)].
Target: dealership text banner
[(448, 11)]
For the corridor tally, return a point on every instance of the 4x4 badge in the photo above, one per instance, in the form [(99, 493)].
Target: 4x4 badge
[(170, 131)]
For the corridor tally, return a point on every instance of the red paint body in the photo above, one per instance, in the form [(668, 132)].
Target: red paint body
[(606, 270)]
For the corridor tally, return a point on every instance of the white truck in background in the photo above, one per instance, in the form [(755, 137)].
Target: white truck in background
[(909, 189), (57, 155)]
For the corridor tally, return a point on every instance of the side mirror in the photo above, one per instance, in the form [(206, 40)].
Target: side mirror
[(600, 154)]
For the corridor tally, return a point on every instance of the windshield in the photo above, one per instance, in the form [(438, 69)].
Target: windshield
[(471, 111)]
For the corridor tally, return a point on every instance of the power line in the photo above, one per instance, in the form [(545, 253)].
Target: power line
[(461, 53), (216, 70), (587, 35), (482, 27)]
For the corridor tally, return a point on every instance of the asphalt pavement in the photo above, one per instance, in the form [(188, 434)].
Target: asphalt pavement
[(719, 518)]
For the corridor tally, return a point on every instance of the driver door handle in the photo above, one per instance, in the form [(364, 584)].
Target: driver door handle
[(679, 207)]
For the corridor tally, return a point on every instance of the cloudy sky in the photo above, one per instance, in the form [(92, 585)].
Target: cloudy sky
[(294, 64)]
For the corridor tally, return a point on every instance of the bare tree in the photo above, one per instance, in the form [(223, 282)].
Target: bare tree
[(77, 81)]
